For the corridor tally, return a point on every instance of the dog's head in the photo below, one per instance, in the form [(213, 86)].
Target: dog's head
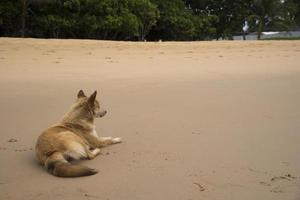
[(90, 104)]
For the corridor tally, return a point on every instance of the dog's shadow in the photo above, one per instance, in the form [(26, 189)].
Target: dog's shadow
[(32, 162)]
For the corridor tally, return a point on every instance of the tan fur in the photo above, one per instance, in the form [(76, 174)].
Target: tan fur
[(73, 138)]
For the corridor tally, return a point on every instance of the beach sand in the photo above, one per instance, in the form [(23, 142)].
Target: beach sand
[(199, 120)]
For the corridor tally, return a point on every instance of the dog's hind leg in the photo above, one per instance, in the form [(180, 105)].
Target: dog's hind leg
[(93, 153)]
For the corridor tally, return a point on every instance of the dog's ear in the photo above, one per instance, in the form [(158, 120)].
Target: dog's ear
[(80, 94), (92, 98)]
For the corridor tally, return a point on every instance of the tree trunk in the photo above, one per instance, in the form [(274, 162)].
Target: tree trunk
[(24, 14), (260, 28), (142, 34)]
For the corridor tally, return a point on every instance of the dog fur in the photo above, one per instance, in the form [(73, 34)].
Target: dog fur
[(73, 138)]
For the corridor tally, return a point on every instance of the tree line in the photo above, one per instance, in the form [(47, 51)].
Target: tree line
[(146, 19)]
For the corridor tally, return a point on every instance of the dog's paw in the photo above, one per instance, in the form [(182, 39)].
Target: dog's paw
[(107, 138), (96, 151), (117, 140)]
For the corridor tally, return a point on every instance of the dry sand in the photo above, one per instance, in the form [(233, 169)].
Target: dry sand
[(200, 120)]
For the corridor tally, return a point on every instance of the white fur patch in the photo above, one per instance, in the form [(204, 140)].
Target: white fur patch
[(96, 151), (117, 140), (94, 132), (106, 138), (76, 151)]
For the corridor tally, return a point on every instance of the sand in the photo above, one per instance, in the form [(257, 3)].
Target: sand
[(199, 120)]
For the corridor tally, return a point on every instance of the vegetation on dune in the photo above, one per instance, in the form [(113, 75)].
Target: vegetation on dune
[(145, 19)]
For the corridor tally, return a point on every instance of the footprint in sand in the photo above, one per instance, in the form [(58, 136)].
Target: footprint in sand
[(275, 179), (113, 61), (276, 190), (201, 188), (288, 177), (12, 140), (88, 196), (3, 148), (196, 133), (20, 150), (285, 163), (265, 183)]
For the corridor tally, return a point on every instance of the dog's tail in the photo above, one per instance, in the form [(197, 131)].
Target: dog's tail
[(57, 165)]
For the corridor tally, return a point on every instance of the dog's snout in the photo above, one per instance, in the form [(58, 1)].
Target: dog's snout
[(103, 113)]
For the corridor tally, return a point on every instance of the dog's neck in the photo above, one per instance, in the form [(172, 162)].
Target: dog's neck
[(77, 118)]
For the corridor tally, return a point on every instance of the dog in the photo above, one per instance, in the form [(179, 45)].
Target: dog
[(73, 138)]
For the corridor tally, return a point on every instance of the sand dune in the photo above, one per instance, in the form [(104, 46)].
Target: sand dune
[(199, 120)]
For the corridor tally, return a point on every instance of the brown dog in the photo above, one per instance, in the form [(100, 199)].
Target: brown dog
[(73, 138)]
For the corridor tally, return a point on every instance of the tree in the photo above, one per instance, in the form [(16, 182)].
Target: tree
[(130, 27), (175, 22), (147, 14), (292, 8), (229, 15), (9, 18), (204, 29), (145, 19), (297, 15), (270, 15), (24, 6)]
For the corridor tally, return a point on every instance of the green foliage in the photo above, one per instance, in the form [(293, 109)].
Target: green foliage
[(175, 22), (10, 13), (293, 10), (145, 19), (229, 15), (130, 26), (147, 14), (271, 15), (204, 29)]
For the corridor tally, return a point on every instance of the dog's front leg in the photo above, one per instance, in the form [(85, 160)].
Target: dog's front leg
[(98, 142), (105, 141)]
